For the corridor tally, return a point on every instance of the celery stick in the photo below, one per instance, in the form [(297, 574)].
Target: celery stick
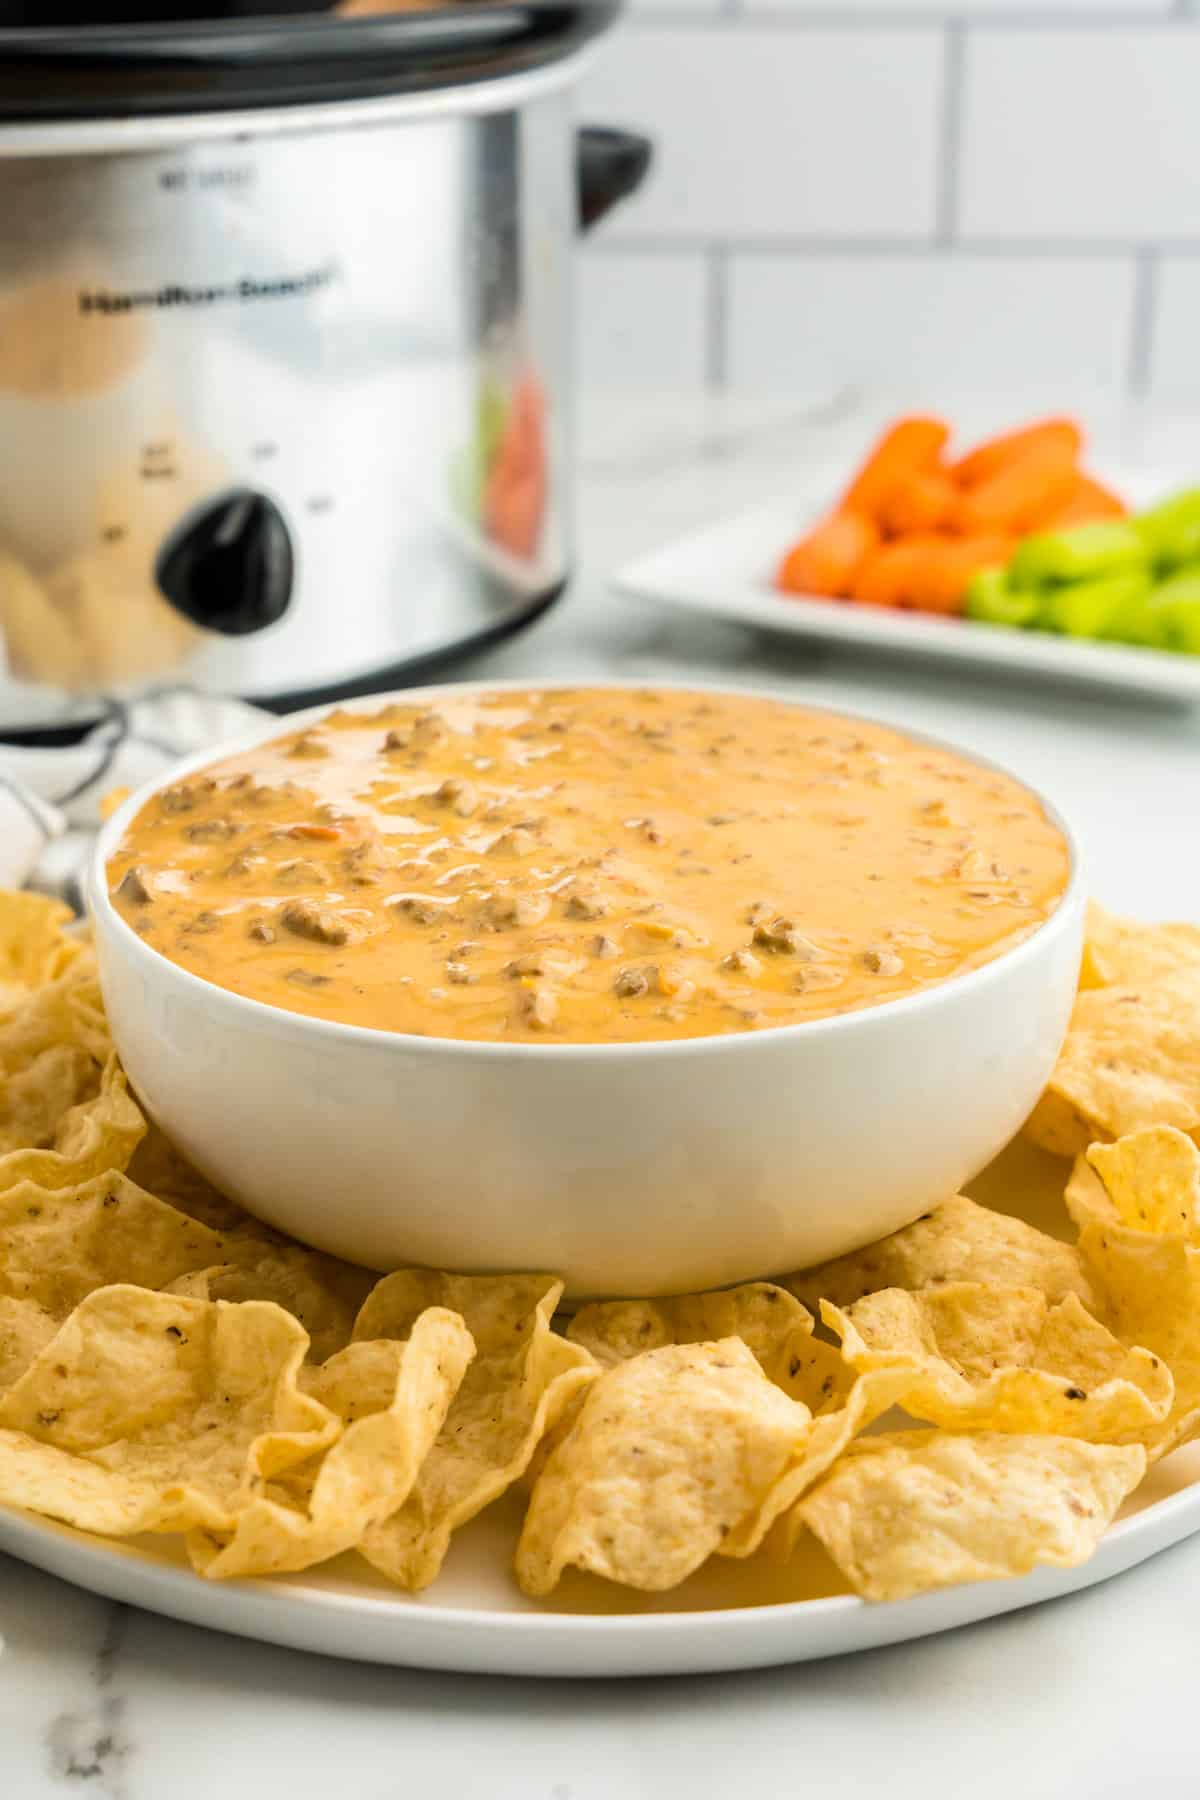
[(1105, 547), (991, 601), (1084, 609), (1178, 601), (1171, 532), (1139, 620)]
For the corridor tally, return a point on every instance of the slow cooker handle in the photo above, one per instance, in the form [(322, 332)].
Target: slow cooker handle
[(610, 165)]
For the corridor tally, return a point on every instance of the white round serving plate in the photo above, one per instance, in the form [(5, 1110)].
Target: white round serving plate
[(475, 1621)]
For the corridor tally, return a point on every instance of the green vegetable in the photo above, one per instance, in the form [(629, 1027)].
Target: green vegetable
[(1104, 580), (1086, 609), (1183, 627), (1171, 532), (1139, 619), (470, 464), (992, 601), (1184, 586), (1178, 601), (491, 415), (1106, 547)]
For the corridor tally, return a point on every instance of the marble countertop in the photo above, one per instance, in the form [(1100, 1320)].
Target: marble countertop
[(1088, 1696)]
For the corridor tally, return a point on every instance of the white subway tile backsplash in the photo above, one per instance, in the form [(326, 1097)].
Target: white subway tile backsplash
[(905, 192), (1174, 365), (765, 133), (928, 323), (642, 317), (1091, 134)]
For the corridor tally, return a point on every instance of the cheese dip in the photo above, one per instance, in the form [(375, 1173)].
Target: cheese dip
[(587, 866)]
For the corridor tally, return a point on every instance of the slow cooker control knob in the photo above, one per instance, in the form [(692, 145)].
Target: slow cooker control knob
[(229, 566)]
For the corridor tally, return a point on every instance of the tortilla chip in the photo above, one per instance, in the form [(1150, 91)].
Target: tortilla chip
[(392, 1399), (151, 1413), (1136, 1201), (762, 1315), (323, 1293), (916, 1510), (1127, 953), (1153, 1290), (157, 1166), (780, 1334), (33, 1100), (97, 1135), (83, 1008), (990, 1358), (957, 1241), (769, 1321), (1131, 1058), (864, 1399), (1055, 1125), (34, 946), (1148, 1180), (520, 1383), (69, 1011), (671, 1451), (25, 1329), (57, 1245)]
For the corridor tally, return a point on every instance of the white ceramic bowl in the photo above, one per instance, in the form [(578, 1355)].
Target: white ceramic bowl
[(630, 1168)]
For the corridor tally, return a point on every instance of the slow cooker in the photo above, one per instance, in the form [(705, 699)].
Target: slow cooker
[(285, 307)]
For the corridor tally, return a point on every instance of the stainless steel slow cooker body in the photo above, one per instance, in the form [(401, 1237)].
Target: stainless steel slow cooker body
[(284, 388)]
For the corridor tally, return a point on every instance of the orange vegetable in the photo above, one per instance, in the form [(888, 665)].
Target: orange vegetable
[(998, 453), (889, 575), (1020, 493), (912, 443), (1090, 500), (927, 573), (943, 586), (921, 501), (514, 498), (911, 531), (827, 560)]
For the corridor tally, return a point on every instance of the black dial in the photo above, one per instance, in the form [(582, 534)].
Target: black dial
[(229, 566)]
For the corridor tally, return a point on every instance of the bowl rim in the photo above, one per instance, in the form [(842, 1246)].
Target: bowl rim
[(161, 970)]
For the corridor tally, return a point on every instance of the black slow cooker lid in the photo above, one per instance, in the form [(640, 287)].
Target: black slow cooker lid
[(74, 59)]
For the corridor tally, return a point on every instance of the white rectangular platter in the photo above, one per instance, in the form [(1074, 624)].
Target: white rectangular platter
[(726, 570)]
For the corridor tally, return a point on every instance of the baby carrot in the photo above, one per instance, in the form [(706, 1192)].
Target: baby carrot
[(927, 573), (941, 585), (1090, 500), (827, 560), (1024, 490), (996, 453), (919, 502), (513, 509), (888, 576), (514, 496), (914, 442)]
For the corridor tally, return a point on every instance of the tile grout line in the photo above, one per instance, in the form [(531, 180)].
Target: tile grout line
[(1065, 249), (1143, 320), (736, 15), (950, 135), (716, 317)]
